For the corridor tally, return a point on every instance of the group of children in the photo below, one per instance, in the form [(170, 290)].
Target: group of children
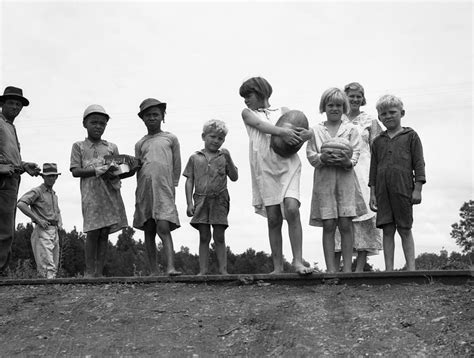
[(395, 179)]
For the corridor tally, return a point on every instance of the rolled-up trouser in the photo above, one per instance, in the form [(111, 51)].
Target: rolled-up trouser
[(8, 197), (45, 245)]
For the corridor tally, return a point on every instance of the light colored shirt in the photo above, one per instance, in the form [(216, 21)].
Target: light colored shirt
[(43, 203)]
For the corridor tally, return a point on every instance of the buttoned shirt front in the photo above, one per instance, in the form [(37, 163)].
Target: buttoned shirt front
[(9, 145), (209, 175), (44, 203)]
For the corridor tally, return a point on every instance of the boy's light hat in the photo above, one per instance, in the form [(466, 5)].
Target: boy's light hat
[(95, 108), (150, 102), (50, 169)]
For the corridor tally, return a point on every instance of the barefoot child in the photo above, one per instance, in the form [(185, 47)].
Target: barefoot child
[(337, 197), (102, 206), (275, 179), (155, 209), (397, 174), (206, 172), (40, 204)]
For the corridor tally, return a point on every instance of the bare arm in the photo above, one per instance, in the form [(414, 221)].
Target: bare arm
[(232, 171), (189, 186), (288, 135), (25, 209)]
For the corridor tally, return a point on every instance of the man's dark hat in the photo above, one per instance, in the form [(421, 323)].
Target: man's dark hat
[(150, 102), (14, 93)]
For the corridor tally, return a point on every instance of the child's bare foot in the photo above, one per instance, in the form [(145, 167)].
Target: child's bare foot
[(224, 272), (302, 270), (154, 273), (173, 272), (276, 272), (202, 274)]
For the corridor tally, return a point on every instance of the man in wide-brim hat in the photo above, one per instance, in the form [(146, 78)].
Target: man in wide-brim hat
[(40, 204), (11, 167)]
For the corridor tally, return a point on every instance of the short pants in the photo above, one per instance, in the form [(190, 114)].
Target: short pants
[(211, 209), (394, 208)]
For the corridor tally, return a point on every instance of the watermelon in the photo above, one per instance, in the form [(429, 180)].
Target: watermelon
[(336, 146), (291, 119)]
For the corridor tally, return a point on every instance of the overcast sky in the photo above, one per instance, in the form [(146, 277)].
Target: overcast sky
[(195, 55)]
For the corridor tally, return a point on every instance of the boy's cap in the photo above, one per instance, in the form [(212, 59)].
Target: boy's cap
[(95, 108), (50, 169), (11, 92), (150, 102)]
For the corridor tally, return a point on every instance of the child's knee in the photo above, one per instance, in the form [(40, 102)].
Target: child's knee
[(274, 221), (404, 233), (389, 230)]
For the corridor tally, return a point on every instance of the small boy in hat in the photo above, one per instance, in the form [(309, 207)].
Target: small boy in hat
[(41, 205), (11, 167)]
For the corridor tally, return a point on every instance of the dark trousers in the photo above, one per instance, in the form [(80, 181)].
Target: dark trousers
[(8, 198)]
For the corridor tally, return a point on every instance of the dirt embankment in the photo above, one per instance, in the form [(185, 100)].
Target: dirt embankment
[(228, 320)]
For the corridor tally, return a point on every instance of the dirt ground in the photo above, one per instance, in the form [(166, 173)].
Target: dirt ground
[(262, 319)]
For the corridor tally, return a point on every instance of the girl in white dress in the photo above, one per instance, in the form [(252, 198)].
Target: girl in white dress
[(275, 179)]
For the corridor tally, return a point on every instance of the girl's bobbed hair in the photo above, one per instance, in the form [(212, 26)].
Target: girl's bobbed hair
[(334, 94), (356, 86), (389, 100), (215, 125), (257, 85)]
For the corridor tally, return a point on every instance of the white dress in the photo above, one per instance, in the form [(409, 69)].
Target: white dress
[(273, 177), (366, 236)]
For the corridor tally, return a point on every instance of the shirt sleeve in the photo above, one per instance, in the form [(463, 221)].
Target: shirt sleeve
[(175, 148), (355, 141), (418, 161), (312, 152), (30, 197), (373, 164), (188, 170), (76, 156), (375, 130)]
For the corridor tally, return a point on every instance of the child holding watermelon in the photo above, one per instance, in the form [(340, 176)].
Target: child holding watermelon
[(275, 179), (333, 151), (397, 174)]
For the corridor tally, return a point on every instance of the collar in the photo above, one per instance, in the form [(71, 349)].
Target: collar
[(202, 152), (403, 132), (45, 188), (267, 109), (91, 143)]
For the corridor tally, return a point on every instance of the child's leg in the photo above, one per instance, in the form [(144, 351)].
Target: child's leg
[(345, 228), (292, 214), (150, 245), (221, 250), (389, 245), (274, 221), (204, 240), (329, 228), (102, 244), (361, 260), (337, 260), (90, 250), (408, 245), (164, 232)]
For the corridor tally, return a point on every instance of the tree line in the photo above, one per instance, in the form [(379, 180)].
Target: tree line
[(127, 257)]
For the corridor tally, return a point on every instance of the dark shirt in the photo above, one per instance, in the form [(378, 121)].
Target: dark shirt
[(9, 146), (398, 160)]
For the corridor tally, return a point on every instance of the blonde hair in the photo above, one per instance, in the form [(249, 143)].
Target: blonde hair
[(389, 100), (335, 95), (215, 125)]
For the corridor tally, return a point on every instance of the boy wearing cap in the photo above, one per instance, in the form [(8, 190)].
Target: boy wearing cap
[(41, 205), (11, 167), (103, 210)]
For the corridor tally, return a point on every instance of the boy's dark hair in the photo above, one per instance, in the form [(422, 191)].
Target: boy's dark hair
[(257, 85)]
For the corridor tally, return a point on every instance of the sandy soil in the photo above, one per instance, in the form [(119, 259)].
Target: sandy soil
[(191, 320)]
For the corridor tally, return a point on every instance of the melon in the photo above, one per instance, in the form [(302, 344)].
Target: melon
[(291, 119), (336, 146)]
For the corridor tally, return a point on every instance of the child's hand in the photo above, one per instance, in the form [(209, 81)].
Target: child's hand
[(7, 169), (305, 134), (290, 136), (326, 158), (226, 153), (416, 197), (341, 158), (373, 202), (190, 210)]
